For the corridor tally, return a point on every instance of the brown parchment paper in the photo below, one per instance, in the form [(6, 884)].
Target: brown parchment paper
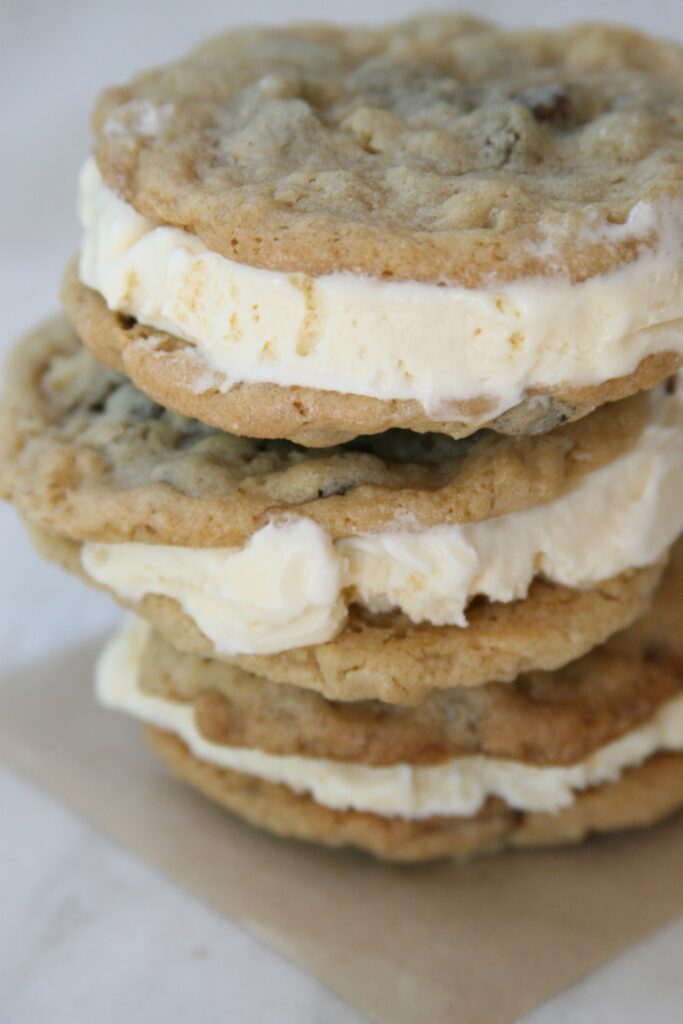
[(474, 944)]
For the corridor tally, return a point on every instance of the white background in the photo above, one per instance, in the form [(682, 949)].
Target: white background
[(86, 932)]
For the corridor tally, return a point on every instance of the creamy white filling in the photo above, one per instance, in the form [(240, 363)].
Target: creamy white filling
[(387, 340), (458, 787), (291, 585)]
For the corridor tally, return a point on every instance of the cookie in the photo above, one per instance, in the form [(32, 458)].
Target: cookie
[(85, 455), (387, 657), (347, 156), (167, 369), (436, 225), (641, 797), (553, 718)]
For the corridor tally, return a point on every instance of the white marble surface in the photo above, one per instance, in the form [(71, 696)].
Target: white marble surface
[(88, 933), (91, 934)]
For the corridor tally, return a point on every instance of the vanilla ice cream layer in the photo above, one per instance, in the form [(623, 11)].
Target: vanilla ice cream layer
[(439, 345), (291, 585), (457, 788)]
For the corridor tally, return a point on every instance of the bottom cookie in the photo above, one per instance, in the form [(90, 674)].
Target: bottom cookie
[(641, 797)]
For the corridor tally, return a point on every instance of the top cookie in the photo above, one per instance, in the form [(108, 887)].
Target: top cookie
[(441, 149)]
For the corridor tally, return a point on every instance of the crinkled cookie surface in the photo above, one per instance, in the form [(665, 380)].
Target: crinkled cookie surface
[(440, 149)]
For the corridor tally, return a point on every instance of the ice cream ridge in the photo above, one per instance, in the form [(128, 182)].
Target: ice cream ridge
[(365, 403)]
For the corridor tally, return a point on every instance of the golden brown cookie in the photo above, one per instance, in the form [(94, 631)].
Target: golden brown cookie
[(389, 658), (641, 797), (438, 149), (85, 455), (167, 369)]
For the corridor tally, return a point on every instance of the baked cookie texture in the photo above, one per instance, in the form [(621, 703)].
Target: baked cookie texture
[(387, 657), (170, 371), (641, 797), (441, 149), (541, 718), (85, 455)]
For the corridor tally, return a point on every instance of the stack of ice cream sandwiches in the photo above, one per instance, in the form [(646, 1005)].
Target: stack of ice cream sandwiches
[(365, 405)]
